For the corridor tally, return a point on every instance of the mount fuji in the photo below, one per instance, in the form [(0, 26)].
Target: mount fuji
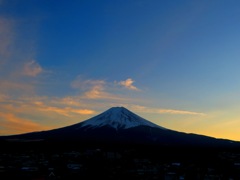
[(119, 126), (118, 118)]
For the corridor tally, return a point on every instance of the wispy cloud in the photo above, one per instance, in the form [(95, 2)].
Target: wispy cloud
[(174, 111), (72, 101), (32, 68), (96, 92), (15, 81), (11, 124), (139, 108), (66, 111), (9, 87), (44, 110), (101, 89), (14, 69), (95, 89), (86, 84), (92, 89), (128, 83), (42, 104)]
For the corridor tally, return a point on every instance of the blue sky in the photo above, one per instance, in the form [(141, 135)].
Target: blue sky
[(174, 63)]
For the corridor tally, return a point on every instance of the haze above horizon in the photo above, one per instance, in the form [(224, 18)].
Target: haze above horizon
[(174, 63)]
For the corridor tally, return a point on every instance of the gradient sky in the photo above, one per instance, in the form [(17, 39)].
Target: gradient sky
[(175, 63)]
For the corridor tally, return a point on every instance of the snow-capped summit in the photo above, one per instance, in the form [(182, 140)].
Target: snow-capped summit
[(118, 118)]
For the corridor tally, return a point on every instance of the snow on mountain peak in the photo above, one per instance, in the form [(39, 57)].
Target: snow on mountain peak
[(118, 118)]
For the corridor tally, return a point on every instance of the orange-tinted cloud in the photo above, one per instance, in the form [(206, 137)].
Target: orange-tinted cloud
[(128, 83), (97, 91), (29, 104), (80, 83), (66, 111), (93, 89), (101, 89), (14, 125), (36, 110)]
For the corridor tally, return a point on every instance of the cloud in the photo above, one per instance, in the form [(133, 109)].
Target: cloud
[(95, 89), (66, 111), (95, 92), (67, 101), (36, 104), (11, 124), (14, 70), (8, 87), (101, 89), (92, 89), (13, 54), (32, 68), (144, 109), (128, 83), (53, 112), (14, 81), (98, 93), (80, 83), (13, 67), (174, 111)]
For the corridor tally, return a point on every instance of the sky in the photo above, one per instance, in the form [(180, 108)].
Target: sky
[(175, 63)]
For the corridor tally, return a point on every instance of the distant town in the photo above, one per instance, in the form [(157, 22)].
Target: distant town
[(118, 164)]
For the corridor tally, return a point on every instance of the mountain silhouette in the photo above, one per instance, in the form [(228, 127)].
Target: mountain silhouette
[(119, 126)]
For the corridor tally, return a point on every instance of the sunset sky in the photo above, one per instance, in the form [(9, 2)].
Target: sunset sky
[(175, 63)]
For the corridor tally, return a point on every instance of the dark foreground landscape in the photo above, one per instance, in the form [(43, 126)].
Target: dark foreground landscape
[(117, 144), (28, 162)]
